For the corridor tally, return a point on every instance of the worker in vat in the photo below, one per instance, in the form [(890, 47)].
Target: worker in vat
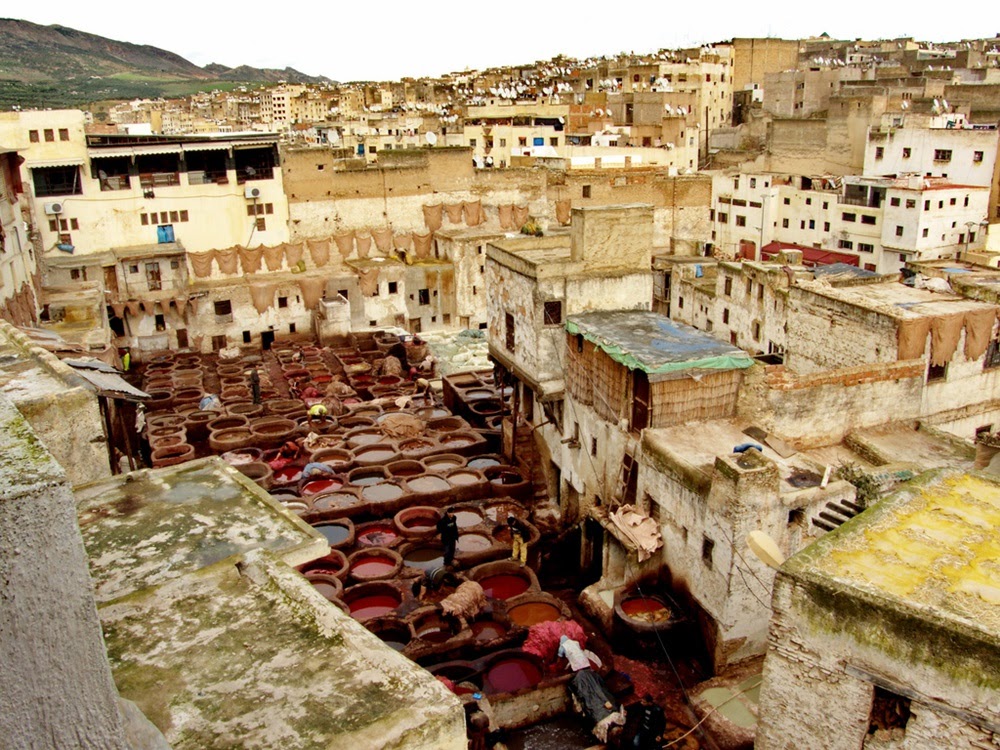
[(318, 414), (432, 580), (315, 469), (287, 454), (447, 527), (519, 536), (255, 385)]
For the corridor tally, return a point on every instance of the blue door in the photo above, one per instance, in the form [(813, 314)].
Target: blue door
[(165, 233)]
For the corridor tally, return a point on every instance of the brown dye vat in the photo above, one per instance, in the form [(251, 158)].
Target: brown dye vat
[(392, 631), (444, 462), (530, 613), (373, 564), (388, 380), (478, 394), (230, 422), (507, 481), (367, 476), (172, 455), (334, 563), (447, 424), (363, 436), (165, 419), (382, 493), (329, 586), (272, 430), (337, 504), (244, 456), (405, 468), (229, 371), (486, 631), (368, 412), (417, 522), (222, 441), (246, 409), (466, 518), (160, 400), (167, 440), (338, 459), (196, 424), (157, 384), (424, 556), (232, 381), (353, 422), (282, 405), (234, 394), (433, 628), (257, 471), (156, 433), (376, 454), (485, 408), (429, 413), (415, 447)]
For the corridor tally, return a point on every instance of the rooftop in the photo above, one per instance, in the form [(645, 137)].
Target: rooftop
[(930, 547), (896, 300), (654, 343)]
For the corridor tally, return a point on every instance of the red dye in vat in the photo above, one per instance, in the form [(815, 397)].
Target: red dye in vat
[(321, 485), (503, 586), (641, 605), (372, 567), (487, 630), (377, 536), (434, 633), (510, 675), (288, 474), (532, 613), (374, 605)]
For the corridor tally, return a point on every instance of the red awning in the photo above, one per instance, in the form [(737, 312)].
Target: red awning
[(811, 256)]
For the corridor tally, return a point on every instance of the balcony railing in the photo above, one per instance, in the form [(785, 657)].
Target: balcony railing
[(217, 177), (159, 179), (120, 182)]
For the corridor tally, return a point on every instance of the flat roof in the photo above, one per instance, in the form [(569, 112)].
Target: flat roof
[(654, 343), (896, 300), (930, 547)]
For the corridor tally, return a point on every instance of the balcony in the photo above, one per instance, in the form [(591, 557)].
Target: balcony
[(118, 182), (151, 180)]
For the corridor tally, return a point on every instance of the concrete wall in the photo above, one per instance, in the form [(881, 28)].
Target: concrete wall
[(56, 683)]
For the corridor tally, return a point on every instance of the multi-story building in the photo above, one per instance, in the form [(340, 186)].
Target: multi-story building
[(18, 264)]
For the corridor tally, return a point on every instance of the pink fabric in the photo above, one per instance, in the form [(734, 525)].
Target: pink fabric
[(383, 240), (345, 244), (273, 257), (320, 251)]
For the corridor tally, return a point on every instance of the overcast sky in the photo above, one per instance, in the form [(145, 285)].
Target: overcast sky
[(387, 40)]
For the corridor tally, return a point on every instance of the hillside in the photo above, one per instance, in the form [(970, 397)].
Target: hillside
[(55, 66)]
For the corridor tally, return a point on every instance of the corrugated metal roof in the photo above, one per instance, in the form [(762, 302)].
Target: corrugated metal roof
[(110, 383)]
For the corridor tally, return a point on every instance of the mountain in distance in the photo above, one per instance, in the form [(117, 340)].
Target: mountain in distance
[(53, 66)]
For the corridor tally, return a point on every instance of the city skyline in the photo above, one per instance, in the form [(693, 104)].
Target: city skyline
[(380, 47)]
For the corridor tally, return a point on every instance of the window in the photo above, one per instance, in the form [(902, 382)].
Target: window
[(586, 191), (503, 142), (867, 219), (826, 226), (879, 152), (992, 355), (424, 296), (522, 141), (937, 372), (33, 136), (246, 337), (680, 303), (133, 268), (809, 201), (924, 232), (282, 301), (50, 135), (741, 221), (927, 205), (899, 231), (64, 134), (510, 338), (291, 328), (261, 224), (889, 713), (553, 313), (864, 247), (723, 218), (593, 446), (223, 307), (911, 203), (472, 142), (74, 274), (812, 223), (756, 331), (942, 154), (344, 293), (788, 201), (906, 153), (952, 202), (894, 201), (50, 181), (725, 315), (736, 183), (707, 547), (728, 286), (784, 223), (977, 156), (393, 287), (966, 203), (554, 141), (849, 217), (845, 244), (753, 182)]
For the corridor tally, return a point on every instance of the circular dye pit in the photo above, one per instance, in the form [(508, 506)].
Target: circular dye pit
[(334, 533), (504, 585), (487, 630), (461, 478), (467, 518), (432, 629), (443, 463), (424, 558), (483, 462), (325, 584), (532, 613), (395, 638), (382, 493), (363, 437), (457, 441), (510, 674), (372, 567), (367, 477), (418, 521), (427, 484), (335, 501), (646, 609), (316, 486), (288, 474), (469, 543), (375, 455), (373, 605), (376, 535)]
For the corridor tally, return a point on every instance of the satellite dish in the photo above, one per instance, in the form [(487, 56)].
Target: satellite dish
[(562, 119), (765, 548), (431, 138)]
